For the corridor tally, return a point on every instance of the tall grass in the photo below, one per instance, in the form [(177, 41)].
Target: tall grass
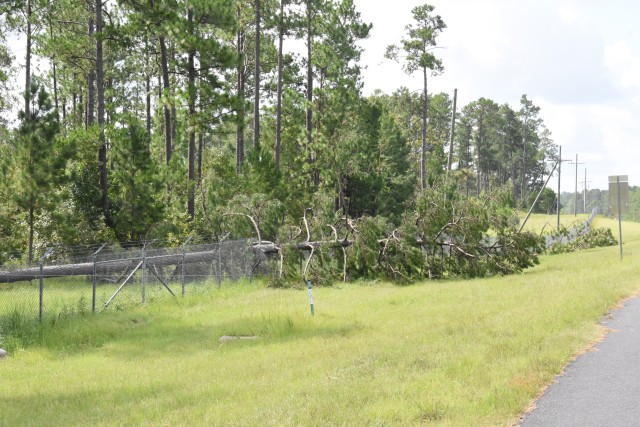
[(447, 352)]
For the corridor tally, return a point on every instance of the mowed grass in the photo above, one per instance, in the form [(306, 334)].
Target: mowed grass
[(548, 223), (446, 352)]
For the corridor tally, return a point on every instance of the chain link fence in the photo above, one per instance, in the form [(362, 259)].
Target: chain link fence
[(572, 233), (79, 280)]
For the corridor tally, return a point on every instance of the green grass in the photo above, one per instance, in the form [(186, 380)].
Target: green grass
[(447, 352), (547, 223)]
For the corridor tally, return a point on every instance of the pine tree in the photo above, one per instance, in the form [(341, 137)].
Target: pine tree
[(40, 162), (417, 48)]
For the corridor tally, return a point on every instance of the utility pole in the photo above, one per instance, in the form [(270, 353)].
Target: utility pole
[(560, 160), (584, 199), (575, 200), (453, 131)]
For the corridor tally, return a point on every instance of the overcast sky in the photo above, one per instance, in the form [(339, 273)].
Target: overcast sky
[(579, 60)]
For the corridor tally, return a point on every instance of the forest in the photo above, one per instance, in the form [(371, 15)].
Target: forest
[(218, 119)]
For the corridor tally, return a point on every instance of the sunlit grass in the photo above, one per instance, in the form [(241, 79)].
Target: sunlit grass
[(449, 352), (547, 223)]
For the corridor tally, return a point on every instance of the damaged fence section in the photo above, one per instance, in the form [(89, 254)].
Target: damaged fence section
[(67, 280), (572, 233)]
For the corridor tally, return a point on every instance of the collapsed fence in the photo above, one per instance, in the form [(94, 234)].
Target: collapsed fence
[(90, 279), (573, 233)]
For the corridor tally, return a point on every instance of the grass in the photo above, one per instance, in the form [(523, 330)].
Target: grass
[(445, 352), (546, 223)]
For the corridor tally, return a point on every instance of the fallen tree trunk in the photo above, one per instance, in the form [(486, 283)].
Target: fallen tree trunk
[(86, 268), (270, 247)]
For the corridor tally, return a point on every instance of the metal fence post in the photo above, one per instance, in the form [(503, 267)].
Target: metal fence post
[(41, 262), (144, 270), (219, 264), (93, 292), (184, 255)]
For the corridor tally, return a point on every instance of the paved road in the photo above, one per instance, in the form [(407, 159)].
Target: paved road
[(602, 387)]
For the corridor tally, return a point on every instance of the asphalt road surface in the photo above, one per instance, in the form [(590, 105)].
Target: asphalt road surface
[(601, 387)]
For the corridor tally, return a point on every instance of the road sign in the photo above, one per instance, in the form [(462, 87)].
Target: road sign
[(620, 182)]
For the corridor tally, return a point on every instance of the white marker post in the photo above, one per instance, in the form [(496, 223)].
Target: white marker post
[(310, 295)]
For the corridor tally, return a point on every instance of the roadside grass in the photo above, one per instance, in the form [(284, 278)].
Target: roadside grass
[(449, 352), (546, 223)]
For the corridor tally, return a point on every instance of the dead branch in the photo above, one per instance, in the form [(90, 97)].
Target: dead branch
[(304, 273), (335, 232), (306, 224), (253, 221)]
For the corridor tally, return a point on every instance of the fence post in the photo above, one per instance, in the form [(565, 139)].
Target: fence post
[(41, 262), (219, 264), (184, 255), (93, 292), (310, 296), (144, 270)]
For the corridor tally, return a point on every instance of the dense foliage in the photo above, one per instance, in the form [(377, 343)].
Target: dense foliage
[(586, 238), (140, 127)]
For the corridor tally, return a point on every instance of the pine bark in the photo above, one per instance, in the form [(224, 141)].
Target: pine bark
[(102, 153), (27, 83), (90, 107), (240, 88), (279, 95), (256, 90), (309, 115), (425, 118), (192, 117)]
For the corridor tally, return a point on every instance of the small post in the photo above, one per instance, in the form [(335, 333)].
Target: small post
[(184, 255), (619, 215), (93, 292), (310, 296), (144, 270), (41, 290), (220, 244)]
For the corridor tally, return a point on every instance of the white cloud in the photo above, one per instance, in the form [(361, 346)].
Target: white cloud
[(578, 59), (624, 64)]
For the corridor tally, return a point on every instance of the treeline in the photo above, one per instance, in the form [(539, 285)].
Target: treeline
[(170, 118), (600, 199)]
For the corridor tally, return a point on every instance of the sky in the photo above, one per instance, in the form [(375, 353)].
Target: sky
[(579, 60)]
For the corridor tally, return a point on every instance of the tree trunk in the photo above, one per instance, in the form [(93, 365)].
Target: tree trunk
[(309, 115), (148, 102), (256, 83), (240, 92), (31, 221), (90, 118), (192, 120), (524, 169), (423, 151), (174, 115), (200, 153), (148, 89), (102, 153), (166, 110), (279, 99), (27, 83), (74, 105), (164, 64), (55, 77)]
